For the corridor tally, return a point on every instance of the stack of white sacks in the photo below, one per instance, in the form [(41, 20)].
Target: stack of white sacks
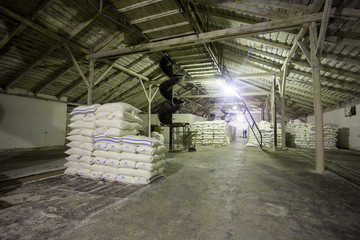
[(212, 132), (302, 135), (117, 153), (267, 132)]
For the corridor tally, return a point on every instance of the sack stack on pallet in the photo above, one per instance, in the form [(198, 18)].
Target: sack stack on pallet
[(117, 153), (302, 135), (212, 132), (330, 136), (267, 132), (82, 125)]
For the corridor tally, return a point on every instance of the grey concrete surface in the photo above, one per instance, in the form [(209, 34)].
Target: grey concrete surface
[(214, 193), (26, 162)]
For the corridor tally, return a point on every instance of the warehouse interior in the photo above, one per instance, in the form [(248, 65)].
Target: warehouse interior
[(272, 68)]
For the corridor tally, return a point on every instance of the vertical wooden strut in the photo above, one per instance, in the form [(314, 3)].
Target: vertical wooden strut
[(319, 131)]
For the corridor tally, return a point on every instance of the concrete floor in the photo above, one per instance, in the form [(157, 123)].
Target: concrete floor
[(230, 192)]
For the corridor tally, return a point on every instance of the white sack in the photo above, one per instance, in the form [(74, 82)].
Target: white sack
[(118, 106), (110, 177), (70, 171), (79, 138), (140, 141), (78, 151), (139, 157), (96, 175), (85, 109), (107, 154), (124, 179), (104, 168), (127, 164)]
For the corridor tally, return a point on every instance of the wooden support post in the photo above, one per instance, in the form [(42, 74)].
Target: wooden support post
[(267, 109), (273, 110), (319, 130), (282, 97), (91, 77), (76, 64), (283, 132)]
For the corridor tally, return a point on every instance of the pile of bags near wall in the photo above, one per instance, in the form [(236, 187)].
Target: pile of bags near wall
[(267, 132), (212, 132), (114, 153), (158, 136), (302, 135)]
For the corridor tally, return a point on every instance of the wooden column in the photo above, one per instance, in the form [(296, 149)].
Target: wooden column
[(283, 132), (91, 80), (267, 109), (282, 97), (319, 130), (273, 110)]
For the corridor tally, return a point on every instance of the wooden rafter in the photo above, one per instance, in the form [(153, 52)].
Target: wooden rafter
[(155, 16), (21, 27), (209, 36), (137, 5)]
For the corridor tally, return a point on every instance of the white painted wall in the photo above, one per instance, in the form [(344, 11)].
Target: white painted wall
[(350, 124), (31, 123)]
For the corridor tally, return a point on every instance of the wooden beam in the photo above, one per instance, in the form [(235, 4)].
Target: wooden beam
[(319, 123), (39, 28), (155, 16), (223, 96), (268, 42), (305, 51), (83, 25), (130, 72), (137, 5), (282, 5), (247, 9), (97, 83), (209, 36), (90, 80), (324, 25), (21, 27), (76, 64), (110, 41), (129, 92), (165, 27)]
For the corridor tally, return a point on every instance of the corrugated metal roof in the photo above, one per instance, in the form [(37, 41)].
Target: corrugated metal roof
[(33, 57)]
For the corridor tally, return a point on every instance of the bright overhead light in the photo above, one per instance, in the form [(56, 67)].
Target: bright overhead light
[(229, 90), (234, 107)]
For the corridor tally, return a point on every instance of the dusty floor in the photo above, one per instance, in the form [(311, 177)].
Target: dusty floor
[(214, 193)]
